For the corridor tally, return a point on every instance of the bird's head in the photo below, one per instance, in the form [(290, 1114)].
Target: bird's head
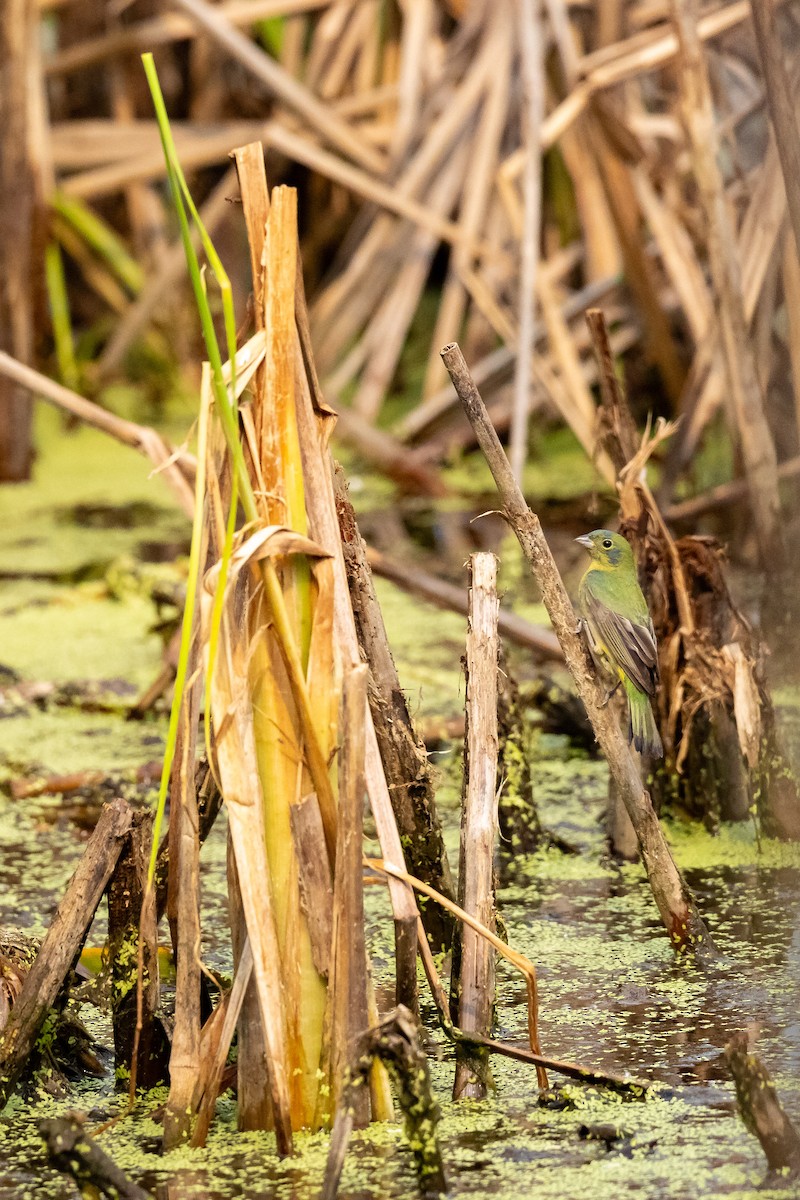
[(607, 549)]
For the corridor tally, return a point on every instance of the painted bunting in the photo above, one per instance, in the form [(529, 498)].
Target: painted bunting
[(620, 632)]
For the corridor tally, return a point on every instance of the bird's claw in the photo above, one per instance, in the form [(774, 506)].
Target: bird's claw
[(609, 694)]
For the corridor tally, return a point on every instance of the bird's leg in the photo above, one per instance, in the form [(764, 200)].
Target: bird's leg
[(610, 693)]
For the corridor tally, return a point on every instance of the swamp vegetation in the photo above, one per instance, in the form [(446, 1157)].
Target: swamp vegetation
[(612, 996), (326, 865)]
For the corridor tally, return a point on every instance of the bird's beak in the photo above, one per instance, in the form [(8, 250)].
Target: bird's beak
[(585, 541)]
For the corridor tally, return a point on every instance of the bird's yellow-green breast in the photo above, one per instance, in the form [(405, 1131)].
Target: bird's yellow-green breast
[(620, 630)]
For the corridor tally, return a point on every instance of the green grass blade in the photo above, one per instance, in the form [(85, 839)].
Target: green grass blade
[(60, 316), (186, 634)]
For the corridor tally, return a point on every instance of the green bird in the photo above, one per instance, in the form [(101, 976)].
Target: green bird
[(620, 632)]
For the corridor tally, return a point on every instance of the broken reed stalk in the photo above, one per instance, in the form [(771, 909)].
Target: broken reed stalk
[(348, 1005), (675, 902), (129, 918), (314, 422), (402, 751), (760, 1108), (472, 995), (283, 754), (396, 1042), (62, 942), (270, 656)]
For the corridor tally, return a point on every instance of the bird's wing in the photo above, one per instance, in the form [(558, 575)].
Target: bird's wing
[(631, 644)]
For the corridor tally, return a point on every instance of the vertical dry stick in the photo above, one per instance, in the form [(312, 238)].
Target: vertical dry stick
[(184, 903), (20, 228), (530, 35), (758, 451), (782, 105), (675, 902), (475, 970), (126, 893), (349, 952)]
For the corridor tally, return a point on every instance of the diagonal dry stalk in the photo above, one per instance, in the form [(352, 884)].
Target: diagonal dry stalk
[(675, 902)]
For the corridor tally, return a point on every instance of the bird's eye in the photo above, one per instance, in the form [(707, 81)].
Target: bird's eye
[(607, 543)]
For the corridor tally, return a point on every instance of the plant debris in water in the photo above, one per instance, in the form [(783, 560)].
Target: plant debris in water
[(611, 993)]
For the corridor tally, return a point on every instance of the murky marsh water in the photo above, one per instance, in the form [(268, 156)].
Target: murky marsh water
[(612, 995)]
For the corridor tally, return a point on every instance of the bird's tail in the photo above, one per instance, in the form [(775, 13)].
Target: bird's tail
[(642, 731)]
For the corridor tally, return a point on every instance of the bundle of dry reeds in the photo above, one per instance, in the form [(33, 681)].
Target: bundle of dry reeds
[(481, 171)]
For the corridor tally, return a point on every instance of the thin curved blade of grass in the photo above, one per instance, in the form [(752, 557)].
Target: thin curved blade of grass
[(186, 627)]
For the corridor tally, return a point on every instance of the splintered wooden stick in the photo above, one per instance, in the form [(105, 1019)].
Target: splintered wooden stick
[(183, 913), (760, 1107), (62, 943), (675, 902), (472, 994), (348, 980)]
